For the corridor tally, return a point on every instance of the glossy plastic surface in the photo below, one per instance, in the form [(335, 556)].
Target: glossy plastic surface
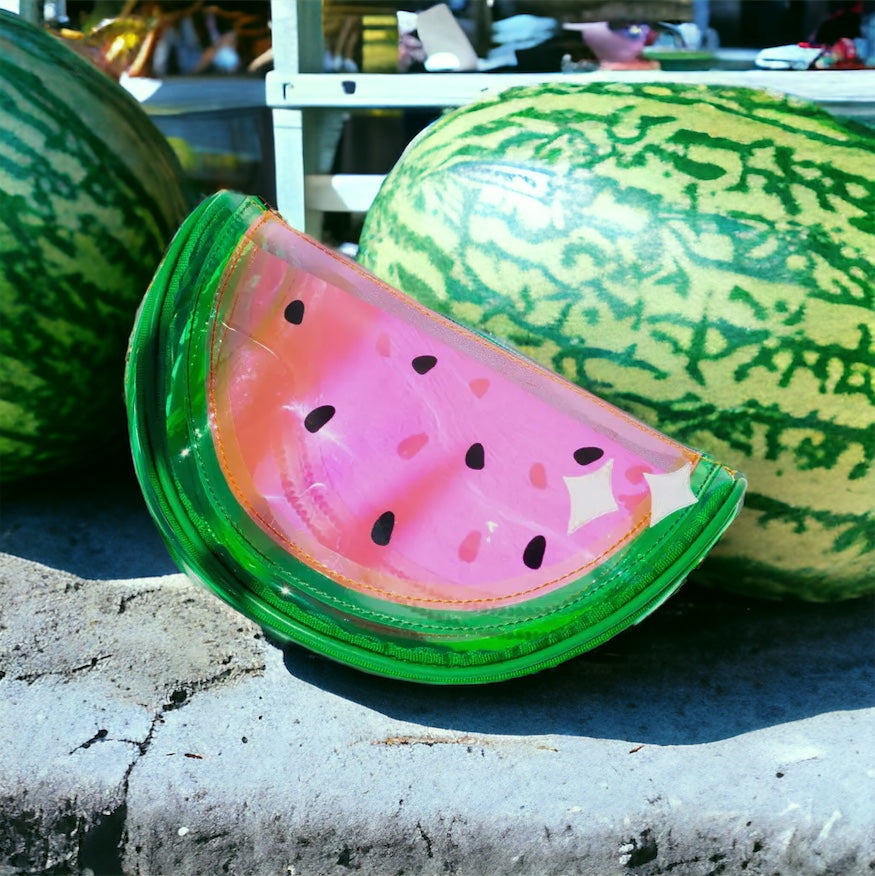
[(376, 483)]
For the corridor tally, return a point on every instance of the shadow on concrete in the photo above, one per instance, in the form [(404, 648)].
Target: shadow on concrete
[(91, 522), (705, 667)]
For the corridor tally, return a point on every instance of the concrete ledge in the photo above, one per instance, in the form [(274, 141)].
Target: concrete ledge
[(145, 728)]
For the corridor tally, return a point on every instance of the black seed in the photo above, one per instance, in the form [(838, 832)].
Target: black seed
[(422, 364), (318, 417), (294, 312), (533, 555), (382, 529), (475, 458), (586, 455)]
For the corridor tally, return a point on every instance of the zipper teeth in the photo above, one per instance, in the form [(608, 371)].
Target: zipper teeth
[(182, 532)]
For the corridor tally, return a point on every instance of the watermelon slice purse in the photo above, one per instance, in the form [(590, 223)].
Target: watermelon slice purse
[(372, 481)]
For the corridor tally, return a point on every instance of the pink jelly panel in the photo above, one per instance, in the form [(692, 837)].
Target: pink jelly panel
[(386, 455)]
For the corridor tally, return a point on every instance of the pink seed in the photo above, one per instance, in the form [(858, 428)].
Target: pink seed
[(479, 385), (469, 547), (412, 444), (384, 345), (635, 473), (538, 475)]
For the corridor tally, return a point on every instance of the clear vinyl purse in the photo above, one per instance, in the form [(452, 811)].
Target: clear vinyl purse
[(384, 487)]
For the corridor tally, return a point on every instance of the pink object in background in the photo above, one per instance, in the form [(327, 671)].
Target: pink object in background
[(620, 46)]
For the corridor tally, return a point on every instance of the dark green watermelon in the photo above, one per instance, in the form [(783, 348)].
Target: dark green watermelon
[(90, 195)]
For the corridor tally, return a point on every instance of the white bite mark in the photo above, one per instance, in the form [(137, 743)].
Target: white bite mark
[(669, 492), (591, 496)]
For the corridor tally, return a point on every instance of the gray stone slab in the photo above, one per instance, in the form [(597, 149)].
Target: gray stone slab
[(148, 729)]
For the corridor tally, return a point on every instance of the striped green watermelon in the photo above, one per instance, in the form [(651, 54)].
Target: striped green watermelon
[(90, 194), (699, 256)]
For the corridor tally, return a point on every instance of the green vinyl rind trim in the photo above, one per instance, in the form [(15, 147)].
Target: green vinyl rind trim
[(214, 539)]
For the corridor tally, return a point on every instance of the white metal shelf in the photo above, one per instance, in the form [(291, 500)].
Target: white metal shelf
[(309, 107), (851, 91)]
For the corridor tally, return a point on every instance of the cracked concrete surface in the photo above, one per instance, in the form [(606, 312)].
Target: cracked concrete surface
[(145, 728), (88, 671)]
